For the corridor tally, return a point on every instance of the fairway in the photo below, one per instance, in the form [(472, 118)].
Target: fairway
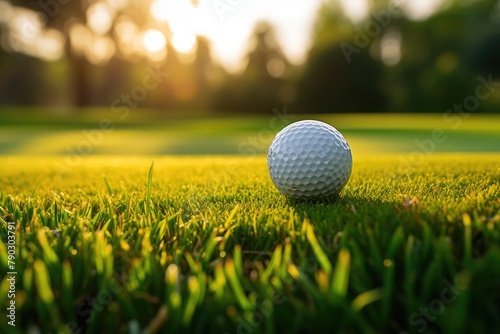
[(208, 245), (151, 133)]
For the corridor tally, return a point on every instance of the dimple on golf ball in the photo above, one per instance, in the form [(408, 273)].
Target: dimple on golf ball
[(309, 159)]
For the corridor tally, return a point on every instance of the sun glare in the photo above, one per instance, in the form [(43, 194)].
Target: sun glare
[(100, 17), (80, 36), (355, 9), (101, 50), (422, 9), (154, 40), (160, 10), (50, 45), (183, 42), (181, 17)]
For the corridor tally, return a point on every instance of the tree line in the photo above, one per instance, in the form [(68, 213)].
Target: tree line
[(386, 62)]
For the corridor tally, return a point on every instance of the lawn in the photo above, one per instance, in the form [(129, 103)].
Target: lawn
[(207, 245), (147, 133), (202, 242)]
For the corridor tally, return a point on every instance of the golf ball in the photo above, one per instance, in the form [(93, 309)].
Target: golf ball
[(309, 159)]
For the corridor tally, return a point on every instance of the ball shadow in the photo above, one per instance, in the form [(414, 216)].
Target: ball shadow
[(346, 207)]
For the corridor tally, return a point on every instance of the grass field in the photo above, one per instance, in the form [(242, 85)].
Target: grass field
[(206, 244), (147, 133)]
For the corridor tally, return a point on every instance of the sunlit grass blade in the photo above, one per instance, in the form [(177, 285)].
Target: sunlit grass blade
[(238, 261), (340, 279), (35, 187), (235, 283), (150, 187), (388, 290), (50, 257), (467, 237), (275, 262), (108, 186), (366, 298), (44, 290), (231, 216), (322, 258), (172, 297), (194, 290)]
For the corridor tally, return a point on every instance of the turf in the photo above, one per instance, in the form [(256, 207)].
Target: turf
[(208, 245), (148, 133)]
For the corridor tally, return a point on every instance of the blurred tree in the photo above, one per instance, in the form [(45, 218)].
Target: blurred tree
[(332, 81), (91, 38), (393, 63), (57, 15), (482, 28), (443, 56), (110, 34), (203, 67), (329, 84), (20, 80), (384, 61), (260, 87)]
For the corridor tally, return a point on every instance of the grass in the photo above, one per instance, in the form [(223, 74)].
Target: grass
[(37, 133), (208, 245)]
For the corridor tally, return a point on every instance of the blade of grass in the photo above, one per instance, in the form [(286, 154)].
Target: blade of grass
[(235, 283), (467, 238), (340, 280), (108, 186), (150, 186), (366, 298), (323, 260), (194, 294)]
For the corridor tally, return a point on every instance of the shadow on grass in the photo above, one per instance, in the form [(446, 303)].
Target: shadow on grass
[(344, 199), (351, 209)]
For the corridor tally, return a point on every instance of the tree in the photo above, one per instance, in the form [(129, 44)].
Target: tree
[(259, 88), (94, 28), (333, 82)]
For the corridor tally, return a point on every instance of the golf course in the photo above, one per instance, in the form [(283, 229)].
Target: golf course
[(174, 226), (250, 167)]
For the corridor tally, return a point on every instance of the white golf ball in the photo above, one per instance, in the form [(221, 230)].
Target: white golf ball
[(309, 159)]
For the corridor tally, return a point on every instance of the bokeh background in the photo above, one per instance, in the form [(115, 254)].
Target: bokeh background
[(222, 76)]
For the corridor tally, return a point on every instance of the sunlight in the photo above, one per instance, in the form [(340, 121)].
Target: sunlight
[(154, 40), (130, 40), (126, 29), (118, 4), (276, 67), (182, 19), (5, 11), (293, 20), (100, 17), (26, 24), (183, 41), (100, 51), (422, 9), (80, 36), (160, 10), (391, 48), (174, 12), (50, 45), (355, 9), (27, 34)]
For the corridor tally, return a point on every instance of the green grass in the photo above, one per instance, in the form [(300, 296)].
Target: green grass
[(208, 245), (147, 133)]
